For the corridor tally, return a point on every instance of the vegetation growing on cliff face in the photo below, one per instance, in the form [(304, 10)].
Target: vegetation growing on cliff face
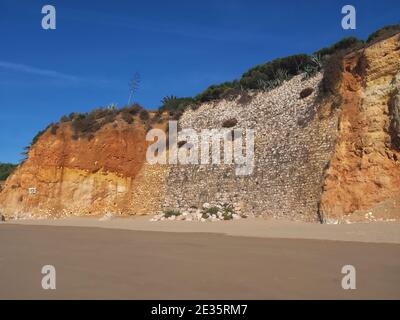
[(333, 73), (271, 74), (144, 115), (383, 33), (86, 124), (172, 213), (6, 169), (344, 44), (278, 69), (35, 139), (37, 136), (175, 106), (217, 91)]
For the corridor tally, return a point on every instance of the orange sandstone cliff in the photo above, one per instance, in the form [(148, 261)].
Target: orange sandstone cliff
[(364, 172), (86, 176)]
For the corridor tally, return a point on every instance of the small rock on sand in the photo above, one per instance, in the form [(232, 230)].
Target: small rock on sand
[(108, 216)]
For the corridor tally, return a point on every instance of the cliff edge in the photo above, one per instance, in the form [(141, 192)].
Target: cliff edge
[(318, 156)]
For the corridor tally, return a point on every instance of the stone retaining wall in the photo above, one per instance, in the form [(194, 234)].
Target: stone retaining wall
[(293, 146)]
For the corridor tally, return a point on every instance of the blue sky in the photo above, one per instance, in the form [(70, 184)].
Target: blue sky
[(179, 47)]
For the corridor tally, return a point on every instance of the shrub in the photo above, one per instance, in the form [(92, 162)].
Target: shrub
[(175, 106), (83, 124), (134, 109), (147, 127), (144, 115), (37, 136), (384, 33), (97, 124), (228, 212), (6, 169), (157, 118), (211, 211), (265, 77), (87, 124), (347, 43), (64, 119), (127, 117), (170, 213), (271, 74), (216, 92), (99, 113), (195, 106), (313, 67), (54, 129), (231, 93), (332, 77)]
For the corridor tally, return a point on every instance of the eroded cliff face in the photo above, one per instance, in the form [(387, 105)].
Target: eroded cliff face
[(314, 159), (292, 147), (364, 172), (65, 176)]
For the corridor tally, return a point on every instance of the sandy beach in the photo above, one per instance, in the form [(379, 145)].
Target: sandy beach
[(248, 259), (377, 232)]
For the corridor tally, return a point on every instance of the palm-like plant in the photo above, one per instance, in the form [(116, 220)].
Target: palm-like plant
[(168, 99), (313, 67), (133, 86)]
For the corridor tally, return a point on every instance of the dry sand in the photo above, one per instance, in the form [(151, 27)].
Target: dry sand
[(198, 263), (379, 232)]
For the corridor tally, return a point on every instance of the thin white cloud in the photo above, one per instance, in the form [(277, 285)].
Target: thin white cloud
[(189, 31), (37, 71)]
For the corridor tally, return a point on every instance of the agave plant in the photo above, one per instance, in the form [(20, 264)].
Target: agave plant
[(317, 61), (133, 86), (273, 83), (168, 99), (312, 69), (282, 75), (262, 84), (112, 106)]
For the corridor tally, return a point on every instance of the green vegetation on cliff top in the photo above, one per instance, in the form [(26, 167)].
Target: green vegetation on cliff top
[(6, 169), (265, 76)]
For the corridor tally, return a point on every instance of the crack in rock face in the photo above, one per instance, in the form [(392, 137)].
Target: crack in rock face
[(394, 109)]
